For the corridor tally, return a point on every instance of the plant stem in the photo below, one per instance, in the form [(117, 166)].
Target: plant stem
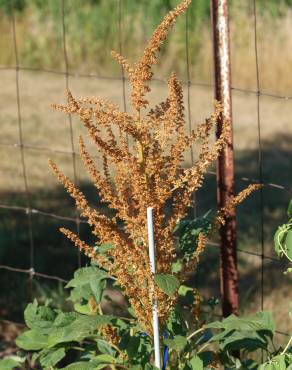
[(195, 333), (287, 346), (282, 249), (203, 347)]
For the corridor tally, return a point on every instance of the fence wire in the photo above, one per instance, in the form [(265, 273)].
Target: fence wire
[(31, 212)]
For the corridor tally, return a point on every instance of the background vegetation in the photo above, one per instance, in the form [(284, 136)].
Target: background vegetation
[(92, 29)]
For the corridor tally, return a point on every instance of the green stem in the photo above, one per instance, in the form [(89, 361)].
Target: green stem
[(287, 346), (203, 347), (282, 249), (195, 333)]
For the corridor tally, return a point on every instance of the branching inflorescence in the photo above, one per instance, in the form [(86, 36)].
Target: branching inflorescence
[(147, 173)]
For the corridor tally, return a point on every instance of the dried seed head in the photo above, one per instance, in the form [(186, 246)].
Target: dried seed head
[(148, 173)]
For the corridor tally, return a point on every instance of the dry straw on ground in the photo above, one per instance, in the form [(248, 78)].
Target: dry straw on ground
[(148, 172)]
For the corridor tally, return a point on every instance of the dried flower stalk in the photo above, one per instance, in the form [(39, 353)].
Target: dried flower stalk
[(149, 173)]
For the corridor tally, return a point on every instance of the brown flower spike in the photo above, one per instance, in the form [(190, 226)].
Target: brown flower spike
[(148, 173)]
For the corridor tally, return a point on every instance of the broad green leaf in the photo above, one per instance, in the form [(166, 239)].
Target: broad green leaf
[(81, 366), (52, 357), (276, 363), (289, 210), (97, 287), (86, 275), (196, 363), (132, 346), (104, 347), (20, 359), (132, 312), (288, 244), (39, 317), (82, 308), (178, 343), (64, 319), (279, 239), (81, 292), (176, 266), (32, 340), (187, 231), (183, 290), (248, 333), (166, 282), (247, 340), (9, 364), (262, 320), (83, 327), (175, 323), (105, 359)]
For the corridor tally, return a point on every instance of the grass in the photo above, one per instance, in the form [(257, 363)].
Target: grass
[(92, 29)]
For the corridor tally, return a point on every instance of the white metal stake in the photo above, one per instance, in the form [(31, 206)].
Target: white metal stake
[(151, 247)]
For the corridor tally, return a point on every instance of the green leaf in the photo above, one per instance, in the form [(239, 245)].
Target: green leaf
[(82, 327), (188, 230), (38, 317), (176, 322), (97, 288), (81, 366), (178, 343), (52, 357), (82, 308), (289, 210), (132, 346), (248, 333), (276, 363), (104, 347), (81, 292), (132, 312), (86, 275), (168, 283), (288, 244), (196, 363), (183, 290), (105, 359), (262, 320), (279, 239), (176, 266), (32, 340), (9, 364)]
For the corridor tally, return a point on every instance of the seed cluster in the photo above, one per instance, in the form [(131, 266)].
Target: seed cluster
[(147, 173)]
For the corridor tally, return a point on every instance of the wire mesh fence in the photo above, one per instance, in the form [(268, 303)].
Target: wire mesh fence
[(24, 146)]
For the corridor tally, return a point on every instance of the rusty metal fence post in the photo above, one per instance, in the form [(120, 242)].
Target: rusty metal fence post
[(225, 164)]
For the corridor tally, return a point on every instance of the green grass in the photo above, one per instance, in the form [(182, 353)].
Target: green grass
[(92, 29)]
